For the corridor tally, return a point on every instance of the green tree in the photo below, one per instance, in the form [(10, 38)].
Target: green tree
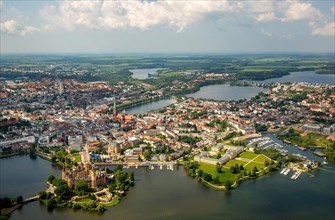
[(81, 188), (227, 184), (6, 202), (19, 199), (53, 159), (216, 180), (254, 171), (207, 177), (266, 162), (63, 191), (50, 178), (200, 173), (147, 154), (132, 177), (218, 167)]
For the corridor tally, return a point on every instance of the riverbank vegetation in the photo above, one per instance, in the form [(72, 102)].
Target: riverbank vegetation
[(310, 141), (8, 205)]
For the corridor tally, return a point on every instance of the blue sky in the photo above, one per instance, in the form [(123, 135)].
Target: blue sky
[(167, 26)]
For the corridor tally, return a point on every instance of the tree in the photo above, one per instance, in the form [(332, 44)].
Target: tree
[(200, 173), (254, 171), (53, 159), (218, 167), (132, 177), (207, 177), (81, 188), (147, 154), (266, 162), (19, 199), (50, 178), (217, 180), (227, 184), (63, 190), (6, 202)]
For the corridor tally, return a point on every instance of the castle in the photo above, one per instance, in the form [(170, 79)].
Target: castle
[(86, 172)]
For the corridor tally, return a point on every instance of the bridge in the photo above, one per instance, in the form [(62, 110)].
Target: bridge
[(31, 199)]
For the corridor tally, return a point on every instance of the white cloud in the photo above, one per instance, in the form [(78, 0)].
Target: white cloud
[(145, 14), (9, 27), (266, 33), (136, 14), (12, 27), (301, 11), (325, 30), (268, 16), (333, 9)]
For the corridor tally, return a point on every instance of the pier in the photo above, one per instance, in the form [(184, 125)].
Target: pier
[(285, 171), (296, 175), (319, 154)]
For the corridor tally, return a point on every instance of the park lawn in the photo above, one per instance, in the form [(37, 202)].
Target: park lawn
[(261, 158), (224, 176), (77, 158), (248, 155), (233, 162), (251, 166), (115, 201)]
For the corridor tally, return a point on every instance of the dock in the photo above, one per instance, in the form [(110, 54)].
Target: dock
[(296, 175), (285, 171), (319, 154)]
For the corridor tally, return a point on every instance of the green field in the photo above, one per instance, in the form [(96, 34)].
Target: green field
[(233, 162), (251, 166), (261, 158), (224, 176), (248, 155)]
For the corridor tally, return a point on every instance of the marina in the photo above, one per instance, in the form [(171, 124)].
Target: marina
[(266, 142)]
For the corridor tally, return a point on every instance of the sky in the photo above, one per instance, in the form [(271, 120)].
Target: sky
[(167, 26)]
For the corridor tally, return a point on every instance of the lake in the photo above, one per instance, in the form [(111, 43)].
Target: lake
[(304, 76), (143, 73), (21, 175), (218, 92), (150, 106), (226, 92), (173, 195)]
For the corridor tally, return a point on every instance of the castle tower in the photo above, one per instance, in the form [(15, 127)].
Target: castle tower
[(93, 178), (114, 109)]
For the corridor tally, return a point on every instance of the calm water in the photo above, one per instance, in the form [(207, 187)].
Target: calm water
[(150, 106), (143, 73), (226, 92), (21, 175), (305, 76), (173, 195)]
